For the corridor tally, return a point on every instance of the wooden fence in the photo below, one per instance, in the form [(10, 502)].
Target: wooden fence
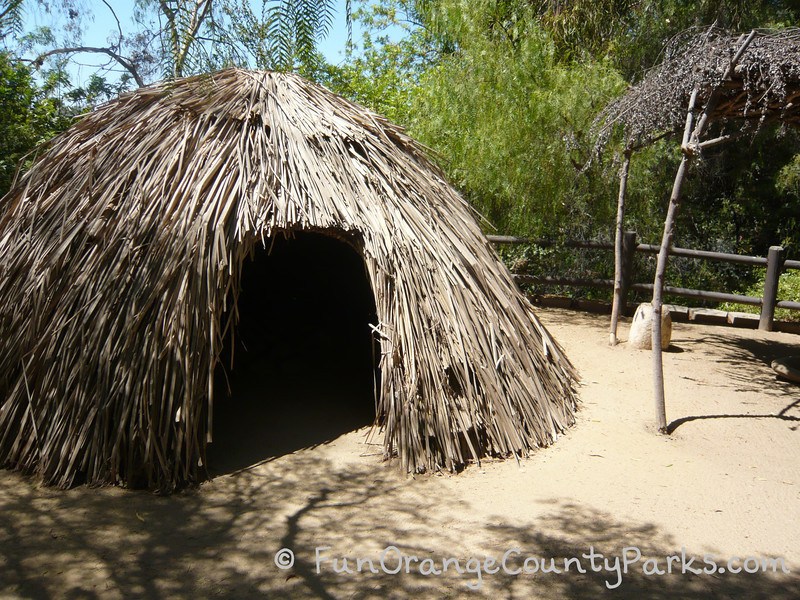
[(775, 263)]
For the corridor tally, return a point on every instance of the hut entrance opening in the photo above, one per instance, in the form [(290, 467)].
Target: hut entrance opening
[(304, 368)]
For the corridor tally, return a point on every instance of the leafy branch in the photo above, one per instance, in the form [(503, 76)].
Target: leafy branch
[(10, 18), (121, 60)]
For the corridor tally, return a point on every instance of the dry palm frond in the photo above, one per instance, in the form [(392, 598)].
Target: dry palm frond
[(764, 86), (122, 248)]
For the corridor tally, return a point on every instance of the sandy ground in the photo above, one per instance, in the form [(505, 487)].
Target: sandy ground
[(726, 483)]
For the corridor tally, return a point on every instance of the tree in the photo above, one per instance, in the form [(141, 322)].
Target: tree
[(633, 33), (58, 43), (10, 18), (503, 93), (285, 35), (174, 38), (29, 115), (511, 118), (385, 71)]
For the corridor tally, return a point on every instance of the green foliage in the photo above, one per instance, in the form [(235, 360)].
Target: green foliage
[(375, 80), (788, 179), (384, 74), (733, 202), (632, 33), (176, 38), (29, 116), (511, 121), (735, 198), (588, 29), (95, 90), (283, 35), (788, 289), (10, 18)]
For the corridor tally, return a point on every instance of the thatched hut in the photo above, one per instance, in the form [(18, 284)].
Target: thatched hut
[(121, 252)]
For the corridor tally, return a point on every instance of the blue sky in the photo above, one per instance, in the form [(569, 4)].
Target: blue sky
[(103, 25), (332, 47)]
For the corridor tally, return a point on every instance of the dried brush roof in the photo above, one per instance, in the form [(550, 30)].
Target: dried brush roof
[(764, 86), (122, 248)]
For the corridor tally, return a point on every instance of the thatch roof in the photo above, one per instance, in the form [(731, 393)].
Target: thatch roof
[(764, 86), (122, 248)]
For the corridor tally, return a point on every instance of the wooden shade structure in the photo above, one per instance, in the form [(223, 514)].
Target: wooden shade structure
[(738, 82), (121, 251)]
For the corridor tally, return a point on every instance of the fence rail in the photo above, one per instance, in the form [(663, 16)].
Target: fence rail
[(775, 263)]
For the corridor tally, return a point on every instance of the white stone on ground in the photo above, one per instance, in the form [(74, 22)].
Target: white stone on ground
[(641, 333)]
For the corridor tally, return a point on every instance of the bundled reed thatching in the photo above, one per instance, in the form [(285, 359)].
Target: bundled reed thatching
[(764, 86), (122, 249)]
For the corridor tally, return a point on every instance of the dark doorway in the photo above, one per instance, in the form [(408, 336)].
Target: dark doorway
[(304, 360)]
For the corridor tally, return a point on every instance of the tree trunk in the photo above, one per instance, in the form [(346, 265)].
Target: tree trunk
[(661, 268), (617, 305), (658, 291)]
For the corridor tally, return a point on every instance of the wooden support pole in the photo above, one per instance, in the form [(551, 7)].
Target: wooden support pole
[(618, 247), (715, 142), (774, 266), (628, 253), (690, 146), (661, 268), (658, 292)]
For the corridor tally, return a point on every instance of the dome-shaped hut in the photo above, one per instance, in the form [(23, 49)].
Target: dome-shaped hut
[(121, 252)]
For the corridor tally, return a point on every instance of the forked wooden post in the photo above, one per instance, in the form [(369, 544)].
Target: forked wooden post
[(774, 266), (658, 290), (690, 146), (661, 268)]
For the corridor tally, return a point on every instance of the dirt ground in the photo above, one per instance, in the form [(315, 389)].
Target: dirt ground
[(725, 483)]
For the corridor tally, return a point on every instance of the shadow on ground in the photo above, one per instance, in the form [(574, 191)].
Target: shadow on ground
[(220, 541), (746, 364), (746, 361)]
